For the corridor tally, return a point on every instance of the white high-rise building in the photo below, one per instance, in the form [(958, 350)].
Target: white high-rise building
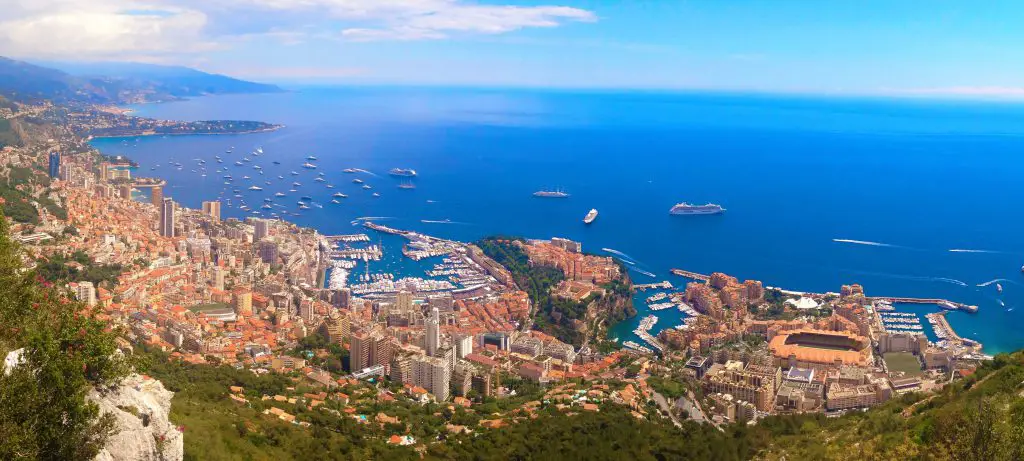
[(463, 346), (86, 293), (434, 375), (433, 336)]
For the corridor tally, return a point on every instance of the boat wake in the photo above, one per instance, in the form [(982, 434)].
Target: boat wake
[(965, 250), (443, 221), (865, 242), (373, 218), (616, 252), (643, 272), (920, 278), (994, 281)]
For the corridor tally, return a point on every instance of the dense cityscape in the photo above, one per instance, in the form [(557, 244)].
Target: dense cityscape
[(494, 319)]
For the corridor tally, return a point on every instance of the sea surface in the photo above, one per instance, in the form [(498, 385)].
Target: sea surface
[(906, 197)]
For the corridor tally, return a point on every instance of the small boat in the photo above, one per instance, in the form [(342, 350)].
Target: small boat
[(330, 186), (339, 195), (268, 200), (246, 177), (294, 174), (349, 170), (266, 206), (296, 184), (255, 188), (238, 163), (276, 162), (357, 181), (311, 158), (335, 201), (306, 197), (279, 194), (319, 179), (999, 288), (367, 187), (280, 177), (591, 216), (309, 166), (320, 173), (376, 194), (408, 172)]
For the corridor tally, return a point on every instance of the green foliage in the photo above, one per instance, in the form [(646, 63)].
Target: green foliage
[(554, 315), (18, 205), (67, 352), (8, 137), (56, 270)]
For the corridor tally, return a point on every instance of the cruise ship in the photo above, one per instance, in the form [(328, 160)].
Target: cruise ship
[(550, 194), (687, 209), (402, 172), (591, 216)]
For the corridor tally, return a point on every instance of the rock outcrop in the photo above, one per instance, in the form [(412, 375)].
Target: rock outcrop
[(142, 407)]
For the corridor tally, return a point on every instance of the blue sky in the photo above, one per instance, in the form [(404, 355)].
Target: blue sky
[(845, 47)]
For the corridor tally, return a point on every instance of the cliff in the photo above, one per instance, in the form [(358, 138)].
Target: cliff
[(142, 407)]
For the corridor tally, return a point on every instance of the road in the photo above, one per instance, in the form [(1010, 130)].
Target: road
[(665, 407)]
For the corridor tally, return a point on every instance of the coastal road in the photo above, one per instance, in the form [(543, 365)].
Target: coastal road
[(664, 406)]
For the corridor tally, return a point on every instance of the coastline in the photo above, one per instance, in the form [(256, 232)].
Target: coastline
[(147, 135)]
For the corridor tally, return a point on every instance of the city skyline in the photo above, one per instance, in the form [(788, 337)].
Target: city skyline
[(876, 48)]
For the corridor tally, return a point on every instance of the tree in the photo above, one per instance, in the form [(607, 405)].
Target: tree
[(67, 351)]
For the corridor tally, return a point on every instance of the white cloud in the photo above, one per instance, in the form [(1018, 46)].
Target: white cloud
[(115, 28), (101, 28)]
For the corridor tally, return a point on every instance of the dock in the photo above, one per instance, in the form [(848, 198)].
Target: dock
[(691, 275), (351, 238), (943, 303), (663, 285)]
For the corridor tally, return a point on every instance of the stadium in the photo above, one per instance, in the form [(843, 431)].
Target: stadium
[(813, 348)]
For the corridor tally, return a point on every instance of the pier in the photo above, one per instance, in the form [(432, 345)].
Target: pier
[(663, 285), (943, 303), (691, 275), (351, 238)]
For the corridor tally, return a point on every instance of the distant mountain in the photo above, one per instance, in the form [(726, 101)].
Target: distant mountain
[(174, 81), (114, 82)]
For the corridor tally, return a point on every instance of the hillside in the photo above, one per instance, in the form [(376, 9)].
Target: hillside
[(113, 83)]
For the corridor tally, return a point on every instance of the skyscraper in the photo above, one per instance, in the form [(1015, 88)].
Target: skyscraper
[(167, 217), (268, 251), (359, 351), (156, 195), (403, 301), (433, 337), (212, 209), (433, 374), (54, 164), (262, 229)]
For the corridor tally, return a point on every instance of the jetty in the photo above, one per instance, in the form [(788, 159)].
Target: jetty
[(943, 303), (691, 275), (663, 285)]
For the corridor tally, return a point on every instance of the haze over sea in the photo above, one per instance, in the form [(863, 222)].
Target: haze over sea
[(819, 191)]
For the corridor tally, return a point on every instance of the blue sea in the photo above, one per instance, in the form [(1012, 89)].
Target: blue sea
[(820, 192)]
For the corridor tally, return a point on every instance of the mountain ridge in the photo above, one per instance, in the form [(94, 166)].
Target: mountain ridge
[(114, 83)]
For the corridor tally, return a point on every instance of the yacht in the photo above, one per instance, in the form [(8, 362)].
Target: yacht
[(402, 172), (688, 209), (339, 195), (591, 216), (255, 188), (279, 194), (309, 166)]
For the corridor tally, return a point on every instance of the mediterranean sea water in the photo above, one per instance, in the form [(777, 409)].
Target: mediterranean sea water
[(906, 197)]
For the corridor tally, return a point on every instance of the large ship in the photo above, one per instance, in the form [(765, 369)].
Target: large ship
[(686, 209), (591, 216), (402, 172), (550, 194)]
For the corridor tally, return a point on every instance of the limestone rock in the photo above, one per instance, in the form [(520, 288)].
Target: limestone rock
[(142, 407)]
